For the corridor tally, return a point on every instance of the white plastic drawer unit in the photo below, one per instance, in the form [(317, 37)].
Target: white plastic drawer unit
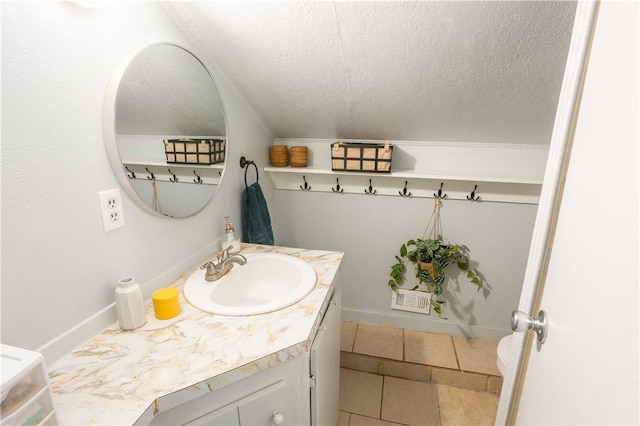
[(26, 392)]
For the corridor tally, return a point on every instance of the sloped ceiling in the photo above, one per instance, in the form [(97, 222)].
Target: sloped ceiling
[(417, 71)]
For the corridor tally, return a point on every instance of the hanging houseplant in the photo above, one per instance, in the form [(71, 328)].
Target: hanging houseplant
[(431, 256)]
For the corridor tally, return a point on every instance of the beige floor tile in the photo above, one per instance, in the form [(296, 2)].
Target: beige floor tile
[(343, 418), (459, 379), (494, 385), (359, 362), (357, 420), (380, 341), (360, 393), (477, 355), (465, 407), (409, 402), (405, 370), (347, 335), (430, 349)]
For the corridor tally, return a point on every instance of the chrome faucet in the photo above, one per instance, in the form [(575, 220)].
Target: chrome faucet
[(216, 270)]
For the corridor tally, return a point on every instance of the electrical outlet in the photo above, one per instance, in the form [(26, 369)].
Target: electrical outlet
[(111, 209)]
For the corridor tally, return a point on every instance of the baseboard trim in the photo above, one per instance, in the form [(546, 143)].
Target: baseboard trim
[(448, 327), (68, 341)]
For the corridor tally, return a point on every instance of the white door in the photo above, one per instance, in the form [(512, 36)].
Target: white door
[(587, 370), (324, 366)]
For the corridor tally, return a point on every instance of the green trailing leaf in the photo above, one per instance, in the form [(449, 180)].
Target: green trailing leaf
[(436, 306), (393, 284), (430, 258)]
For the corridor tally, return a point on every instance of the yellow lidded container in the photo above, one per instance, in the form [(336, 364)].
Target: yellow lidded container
[(166, 303)]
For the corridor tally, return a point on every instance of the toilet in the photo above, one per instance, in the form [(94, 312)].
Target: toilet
[(504, 348)]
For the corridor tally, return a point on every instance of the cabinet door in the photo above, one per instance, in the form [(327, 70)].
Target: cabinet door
[(325, 367), (225, 416), (249, 401), (201, 411), (274, 405)]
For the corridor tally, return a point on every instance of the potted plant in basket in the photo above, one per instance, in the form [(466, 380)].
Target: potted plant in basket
[(431, 257)]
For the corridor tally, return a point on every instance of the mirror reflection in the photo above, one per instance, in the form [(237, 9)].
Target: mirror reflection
[(170, 131)]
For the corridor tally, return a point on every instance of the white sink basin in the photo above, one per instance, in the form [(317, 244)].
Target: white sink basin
[(266, 283)]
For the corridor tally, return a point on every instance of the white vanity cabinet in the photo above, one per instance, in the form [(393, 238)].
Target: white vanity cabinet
[(302, 390), (324, 362), (274, 394)]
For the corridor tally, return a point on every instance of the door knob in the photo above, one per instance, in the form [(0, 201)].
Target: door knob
[(278, 418), (523, 322)]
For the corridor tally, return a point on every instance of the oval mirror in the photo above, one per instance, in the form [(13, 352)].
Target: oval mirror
[(165, 132)]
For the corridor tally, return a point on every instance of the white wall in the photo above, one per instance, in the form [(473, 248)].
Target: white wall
[(58, 265), (371, 229)]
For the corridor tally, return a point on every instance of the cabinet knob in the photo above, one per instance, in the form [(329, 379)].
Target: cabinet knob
[(278, 418)]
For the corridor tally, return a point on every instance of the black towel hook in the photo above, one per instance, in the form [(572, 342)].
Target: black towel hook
[(472, 196), (404, 192), (152, 177), (439, 194), (370, 191), (173, 177), (244, 163), (199, 179), (132, 175), (337, 189), (306, 185)]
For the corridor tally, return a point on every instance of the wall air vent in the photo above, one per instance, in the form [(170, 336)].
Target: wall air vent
[(411, 300)]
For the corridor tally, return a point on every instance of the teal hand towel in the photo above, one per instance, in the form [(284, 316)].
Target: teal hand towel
[(256, 222)]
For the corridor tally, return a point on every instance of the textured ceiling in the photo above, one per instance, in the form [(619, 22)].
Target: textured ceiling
[(425, 71)]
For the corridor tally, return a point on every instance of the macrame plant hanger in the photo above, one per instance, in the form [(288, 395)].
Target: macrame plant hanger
[(434, 226), (156, 200), (434, 229)]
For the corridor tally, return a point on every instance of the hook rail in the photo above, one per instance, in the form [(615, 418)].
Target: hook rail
[(411, 184), (176, 174)]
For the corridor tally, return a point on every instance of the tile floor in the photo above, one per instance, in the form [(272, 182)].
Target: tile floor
[(392, 376)]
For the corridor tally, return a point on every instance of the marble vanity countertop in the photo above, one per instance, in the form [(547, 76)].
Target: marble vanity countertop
[(125, 377)]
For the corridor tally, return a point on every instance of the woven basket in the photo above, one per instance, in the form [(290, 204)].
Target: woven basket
[(194, 151), (361, 157), (278, 156), (299, 156)]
